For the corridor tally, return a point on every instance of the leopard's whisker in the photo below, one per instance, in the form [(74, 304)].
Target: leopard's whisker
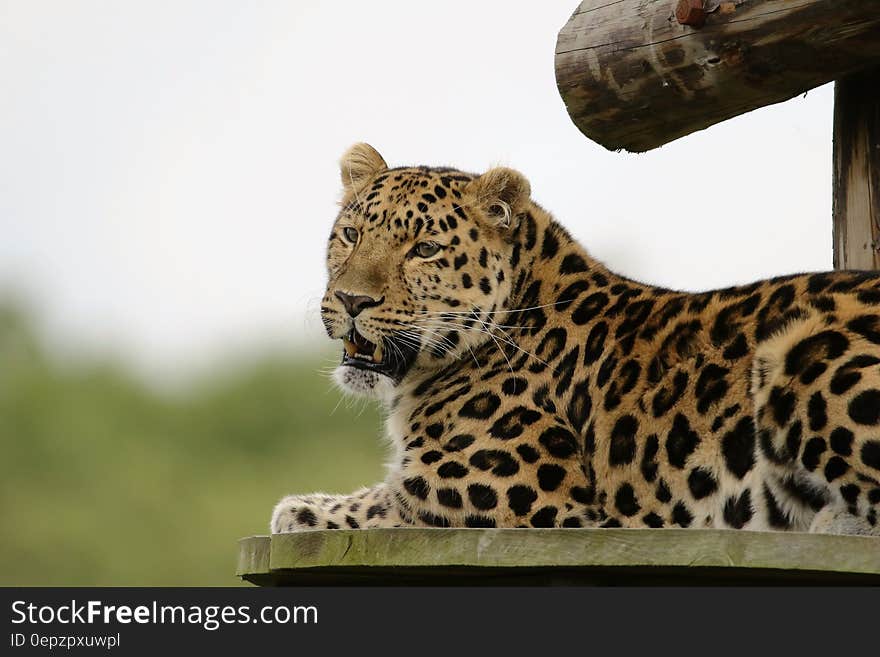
[(498, 312), (438, 341), (508, 326), (452, 346), (507, 340)]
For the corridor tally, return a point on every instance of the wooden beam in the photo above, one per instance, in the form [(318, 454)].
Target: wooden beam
[(563, 556), (857, 171), (633, 77)]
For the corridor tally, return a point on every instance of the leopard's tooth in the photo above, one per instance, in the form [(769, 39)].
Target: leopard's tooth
[(350, 348), (378, 354)]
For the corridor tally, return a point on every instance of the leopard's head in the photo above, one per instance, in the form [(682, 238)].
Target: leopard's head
[(420, 262)]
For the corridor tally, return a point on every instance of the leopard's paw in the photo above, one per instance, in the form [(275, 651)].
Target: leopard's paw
[(295, 513)]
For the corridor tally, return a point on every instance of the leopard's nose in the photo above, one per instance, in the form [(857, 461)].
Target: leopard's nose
[(355, 303)]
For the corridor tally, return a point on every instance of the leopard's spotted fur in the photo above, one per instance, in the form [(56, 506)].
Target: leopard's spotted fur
[(531, 387)]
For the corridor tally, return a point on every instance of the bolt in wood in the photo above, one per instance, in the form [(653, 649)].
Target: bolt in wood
[(690, 12)]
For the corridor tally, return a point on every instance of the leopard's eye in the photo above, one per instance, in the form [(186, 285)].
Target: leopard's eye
[(426, 249), (351, 234)]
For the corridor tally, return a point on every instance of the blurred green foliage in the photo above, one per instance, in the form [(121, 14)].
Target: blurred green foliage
[(106, 481)]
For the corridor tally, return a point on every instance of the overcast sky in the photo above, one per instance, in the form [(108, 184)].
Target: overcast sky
[(168, 168)]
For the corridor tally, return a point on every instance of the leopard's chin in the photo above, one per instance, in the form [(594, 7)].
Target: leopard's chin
[(361, 382)]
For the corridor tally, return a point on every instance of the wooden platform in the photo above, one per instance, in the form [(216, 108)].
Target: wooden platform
[(557, 556)]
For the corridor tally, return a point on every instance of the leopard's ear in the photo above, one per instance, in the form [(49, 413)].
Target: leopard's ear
[(358, 165), (502, 194)]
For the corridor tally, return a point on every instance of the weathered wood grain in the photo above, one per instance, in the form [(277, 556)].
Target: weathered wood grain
[(556, 555), (632, 78), (857, 170), (253, 555)]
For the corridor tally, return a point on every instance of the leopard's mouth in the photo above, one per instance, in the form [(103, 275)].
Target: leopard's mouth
[(387, 357), (357, 347)]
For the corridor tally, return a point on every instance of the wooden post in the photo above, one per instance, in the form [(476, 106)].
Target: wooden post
[(857, 171), (634, 76)]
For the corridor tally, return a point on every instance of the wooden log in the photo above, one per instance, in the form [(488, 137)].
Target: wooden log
[(632, 77), (857, 171), (561, 556)]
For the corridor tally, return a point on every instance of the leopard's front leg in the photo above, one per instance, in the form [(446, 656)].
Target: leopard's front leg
[(365, 508)]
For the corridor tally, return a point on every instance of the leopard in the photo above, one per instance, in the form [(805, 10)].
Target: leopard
[(525, 385)]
